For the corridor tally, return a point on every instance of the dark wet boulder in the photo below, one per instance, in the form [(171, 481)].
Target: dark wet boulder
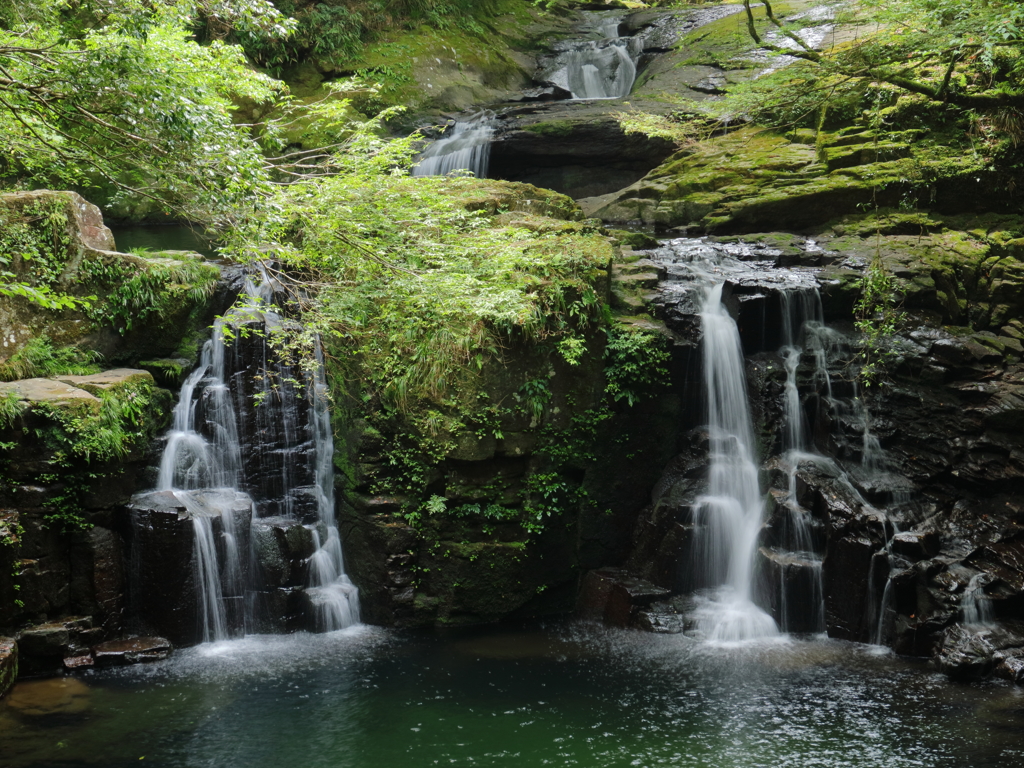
[(916, 545), (791, 586), (545, 92), (667, 617), (162, 553), (614, 596), (8, 664), (282, 547), (132, 650)]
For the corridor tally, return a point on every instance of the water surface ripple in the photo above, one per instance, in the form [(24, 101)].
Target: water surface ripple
[(571, 695)]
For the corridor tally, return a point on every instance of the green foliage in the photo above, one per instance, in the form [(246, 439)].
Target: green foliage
[(84, 437), (966, 55), (135, 289), (560, 128), (129, 103), (11, 408), (122, 422), (415, 279), (534, 396), (878, 318), (684, 126), (39, 358), (36, 240), (574, 446), (339, 30), (636, 364)]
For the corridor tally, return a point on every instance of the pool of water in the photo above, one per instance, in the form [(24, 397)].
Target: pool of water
[(568, 695), (161, 237)]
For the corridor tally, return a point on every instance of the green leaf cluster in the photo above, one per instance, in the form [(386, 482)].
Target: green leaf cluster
[(121, 99), (133, 290), (878, 318), (35, 241), (419, 282), (39, 358), (636, 364), (338, 30)]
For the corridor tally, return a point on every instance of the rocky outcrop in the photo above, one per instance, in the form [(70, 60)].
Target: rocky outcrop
[(161, 540), (912, 534), (576, 148), (63, 249), (8, 664), (75, 447), (72, 456)]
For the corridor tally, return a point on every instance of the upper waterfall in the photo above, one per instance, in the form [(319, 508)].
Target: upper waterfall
[(601, 67)]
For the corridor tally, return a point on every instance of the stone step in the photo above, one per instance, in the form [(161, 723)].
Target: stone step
[(638, 282)]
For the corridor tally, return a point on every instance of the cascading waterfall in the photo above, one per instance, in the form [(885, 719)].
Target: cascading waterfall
[(738, 560), (207, 465), (976, 605), (730, 515), (604, 68), (466, 148), (191, 467), (333, 594), (802, 320)]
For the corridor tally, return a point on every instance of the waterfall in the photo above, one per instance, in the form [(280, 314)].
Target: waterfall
[(603, 68), (802, 321), (731, 513), (466, 148), (251, 427), (976, 605)]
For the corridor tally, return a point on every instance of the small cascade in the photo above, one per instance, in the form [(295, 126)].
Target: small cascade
[(467, 147), (799, 565), (879, 615), (602, 67), (730, 515), (248, 464), (975, 605)]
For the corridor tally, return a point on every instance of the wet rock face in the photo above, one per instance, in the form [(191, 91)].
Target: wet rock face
[(8, 664), (578, 147), (132, 650), (162, 556), (913, 531), (567, 150)]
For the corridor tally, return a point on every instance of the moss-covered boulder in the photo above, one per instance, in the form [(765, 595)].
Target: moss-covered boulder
[(485, 489), (754, 179), (121, 306), (73, 449)]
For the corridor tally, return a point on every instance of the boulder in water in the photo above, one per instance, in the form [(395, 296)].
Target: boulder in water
[(132, 650)]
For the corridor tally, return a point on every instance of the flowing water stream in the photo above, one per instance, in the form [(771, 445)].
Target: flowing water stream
[(466, 146), (730, 515)]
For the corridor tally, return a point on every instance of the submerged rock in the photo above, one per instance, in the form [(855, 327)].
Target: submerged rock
[(55, 696)]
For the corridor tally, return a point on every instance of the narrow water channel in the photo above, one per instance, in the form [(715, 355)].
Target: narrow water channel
[(563, 695)]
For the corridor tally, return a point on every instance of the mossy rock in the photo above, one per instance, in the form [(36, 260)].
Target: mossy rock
[(168, 372), (551, 128), (640, 240), (126, 301)]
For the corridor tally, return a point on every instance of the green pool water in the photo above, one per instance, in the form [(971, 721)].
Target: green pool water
[(567, 695), (161, 237)]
